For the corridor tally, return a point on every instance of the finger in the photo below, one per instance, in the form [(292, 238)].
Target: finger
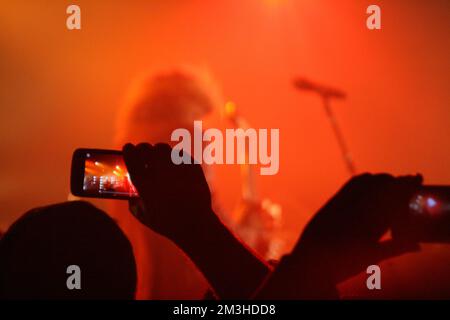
[(134, 163), (383, 177), (353, 187), (380, 182), (144, 147), (417, 178), (163, 154), (360, 179), (130, 158), (127, 147), (362, 176), (405, 187), (128, 150), (145, 151), (410, 182)]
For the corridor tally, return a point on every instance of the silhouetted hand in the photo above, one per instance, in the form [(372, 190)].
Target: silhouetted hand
[(175, 202), (175, 198), (343, 238)]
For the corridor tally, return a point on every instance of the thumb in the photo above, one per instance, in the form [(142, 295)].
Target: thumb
[(133, 164)]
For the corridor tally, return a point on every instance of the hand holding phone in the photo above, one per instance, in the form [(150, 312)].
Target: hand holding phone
[(176, 198)]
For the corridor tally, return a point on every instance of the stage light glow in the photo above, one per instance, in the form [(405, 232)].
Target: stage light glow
[(431, 203), (90, 171), (230, 109)]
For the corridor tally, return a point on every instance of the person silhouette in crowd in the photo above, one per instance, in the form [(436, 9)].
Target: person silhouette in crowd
[(156, 105), (38, 249), (341, 240)]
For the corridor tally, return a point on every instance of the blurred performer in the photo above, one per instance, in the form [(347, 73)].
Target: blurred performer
[(157, 105)]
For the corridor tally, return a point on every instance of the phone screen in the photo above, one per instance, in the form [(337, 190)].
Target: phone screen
[(106, 175), (429, 216), (431, 201)]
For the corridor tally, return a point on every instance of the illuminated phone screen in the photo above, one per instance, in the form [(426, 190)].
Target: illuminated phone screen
[(107, 175), (431, 201)]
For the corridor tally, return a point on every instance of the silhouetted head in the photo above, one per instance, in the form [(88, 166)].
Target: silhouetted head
[(163, 101), (38, 249)]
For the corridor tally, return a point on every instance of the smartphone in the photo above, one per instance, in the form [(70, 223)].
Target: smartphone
[(429, 217), (100, 173)]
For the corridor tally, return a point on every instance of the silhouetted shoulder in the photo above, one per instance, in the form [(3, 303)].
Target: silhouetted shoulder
[(38, 249)]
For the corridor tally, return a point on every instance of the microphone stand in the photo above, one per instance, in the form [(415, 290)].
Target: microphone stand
[(326, 93), (338, 134)]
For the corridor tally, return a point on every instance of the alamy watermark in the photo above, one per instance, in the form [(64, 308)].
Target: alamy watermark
[(237, 146)]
